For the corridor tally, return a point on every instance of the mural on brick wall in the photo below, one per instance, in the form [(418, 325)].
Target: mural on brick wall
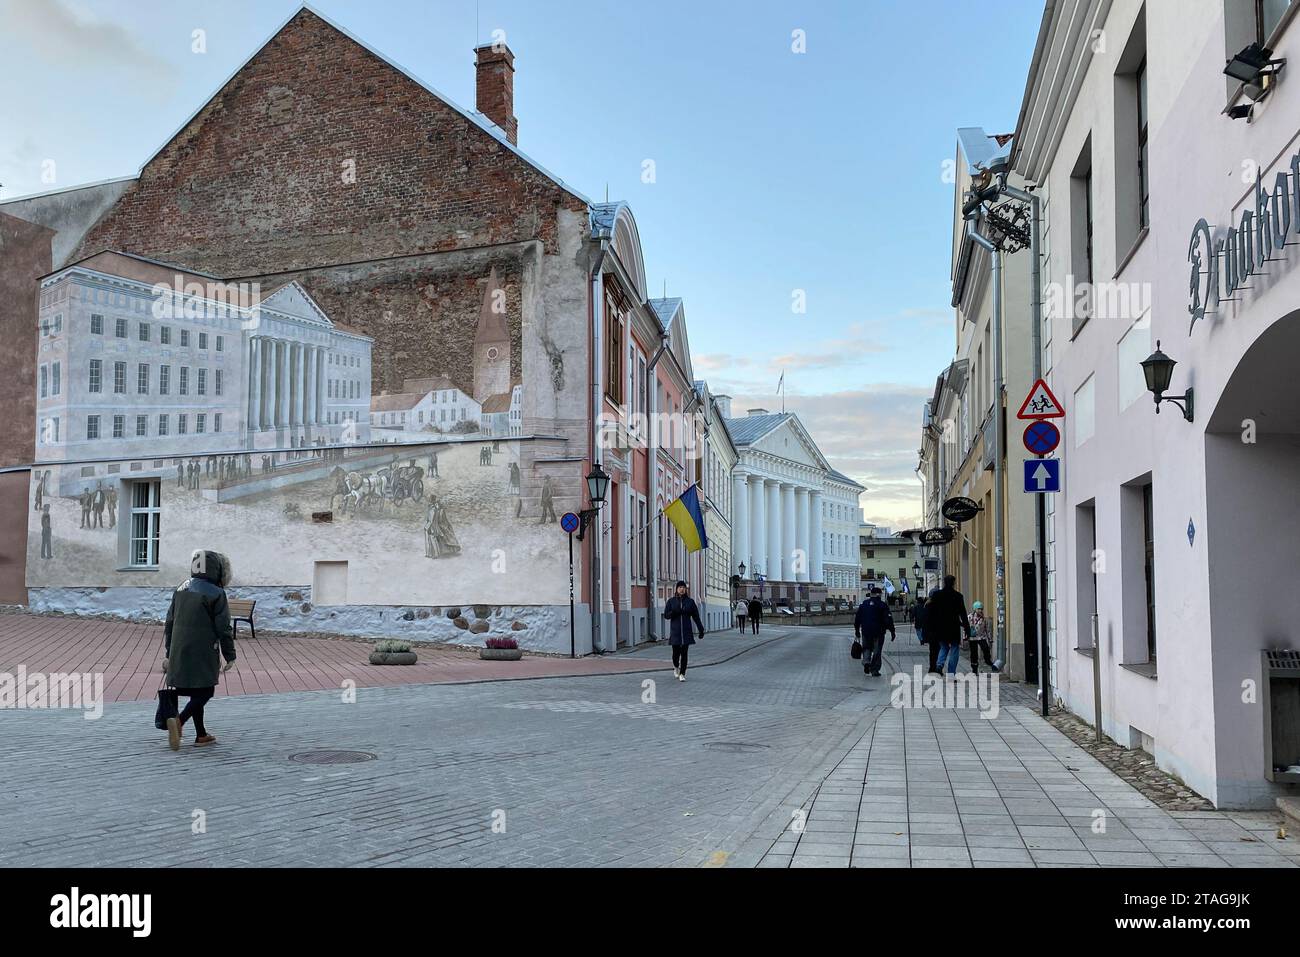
[(388, 441)]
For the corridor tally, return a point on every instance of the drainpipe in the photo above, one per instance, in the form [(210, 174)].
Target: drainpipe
[(652, 485), (999, 490), (597, 456), (1040, 507)]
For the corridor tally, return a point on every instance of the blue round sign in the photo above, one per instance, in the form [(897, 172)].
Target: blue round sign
[(1042, 437), (569, 522)]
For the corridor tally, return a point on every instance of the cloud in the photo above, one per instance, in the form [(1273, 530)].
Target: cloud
[(871, 435), (51, 30)]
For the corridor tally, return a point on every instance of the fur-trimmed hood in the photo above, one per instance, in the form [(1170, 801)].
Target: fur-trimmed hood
[(211, 566)]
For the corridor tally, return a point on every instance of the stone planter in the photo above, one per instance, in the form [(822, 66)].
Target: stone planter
[(501, 654), (392, 657)]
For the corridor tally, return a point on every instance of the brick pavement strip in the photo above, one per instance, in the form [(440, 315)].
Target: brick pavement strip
[(783, 756)]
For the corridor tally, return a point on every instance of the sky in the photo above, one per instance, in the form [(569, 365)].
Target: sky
[(798, 200)]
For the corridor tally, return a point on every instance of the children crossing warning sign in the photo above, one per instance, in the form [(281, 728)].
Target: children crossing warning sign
[(1040, 404)]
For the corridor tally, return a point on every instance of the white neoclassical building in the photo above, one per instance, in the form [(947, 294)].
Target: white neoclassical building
[(789, 511)]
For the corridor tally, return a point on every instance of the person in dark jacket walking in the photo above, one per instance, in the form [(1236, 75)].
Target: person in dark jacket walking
[(681, 611), (870, 624), (755, 614), (945, 620), (198, 624), (922, 605)]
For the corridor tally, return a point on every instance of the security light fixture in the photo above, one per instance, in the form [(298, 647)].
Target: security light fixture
[(1158, 369), (1253, 63)]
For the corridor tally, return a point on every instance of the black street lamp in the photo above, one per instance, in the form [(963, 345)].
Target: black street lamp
[(597, 487), (742, 569), (1159, 371)]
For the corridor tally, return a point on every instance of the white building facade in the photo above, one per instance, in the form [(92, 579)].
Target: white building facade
[(841, 518), (1178, 538), (717, 490)]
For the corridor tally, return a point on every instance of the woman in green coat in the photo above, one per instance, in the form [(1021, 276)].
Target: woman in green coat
[(198, 627)]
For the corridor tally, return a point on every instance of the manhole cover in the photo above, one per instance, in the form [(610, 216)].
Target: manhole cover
[(734, 746), (332, 757)]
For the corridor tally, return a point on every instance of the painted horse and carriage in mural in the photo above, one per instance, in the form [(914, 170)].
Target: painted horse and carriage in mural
[(392, 486)]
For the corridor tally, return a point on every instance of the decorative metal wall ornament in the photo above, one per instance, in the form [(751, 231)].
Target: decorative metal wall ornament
[(1191, 532), (1007, 226)]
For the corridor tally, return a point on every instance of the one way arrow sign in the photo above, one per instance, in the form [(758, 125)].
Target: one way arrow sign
[(1042, 475)]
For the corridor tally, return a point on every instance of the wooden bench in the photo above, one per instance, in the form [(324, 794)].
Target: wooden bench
[(241, 610)]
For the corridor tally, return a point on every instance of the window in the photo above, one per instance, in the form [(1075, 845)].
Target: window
[(141, 425), (1085, 411), (96, 324), (165, 335), (216, 382), (1268, 14), (203, 340), (1144, 216), (216, 422), (221, 345), (200, 420), (1133, 348), (144, 523), (45, 377), (185, 338), (181, 423), (144, 332), (57, 380), (120, 328), (119, 426), (119, 378), (185, 381), (203, 382), (162, 424), (142, 379), (92, 426), (164, 379), (613, 347), (1149, 567)]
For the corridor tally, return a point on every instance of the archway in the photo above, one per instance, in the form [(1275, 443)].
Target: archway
[(1252, 496)]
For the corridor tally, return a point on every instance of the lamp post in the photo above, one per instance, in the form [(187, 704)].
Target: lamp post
[(1158, 369), (597, 488)]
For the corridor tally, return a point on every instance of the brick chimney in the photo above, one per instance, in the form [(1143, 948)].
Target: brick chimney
[(494, 87)]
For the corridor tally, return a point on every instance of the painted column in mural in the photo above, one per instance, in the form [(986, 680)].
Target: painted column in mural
[(254, 383), (309, 416), (282, 385)]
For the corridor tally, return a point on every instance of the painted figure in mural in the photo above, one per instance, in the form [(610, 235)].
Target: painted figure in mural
[(47, 546), (433, 463), (439, 539), (85, 507), (97, 505), (112, 507), (514, 477), (40, 489), (548, 502), (180, 474)]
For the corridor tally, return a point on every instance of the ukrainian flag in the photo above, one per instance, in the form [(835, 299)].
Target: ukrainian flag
[(688, 518)]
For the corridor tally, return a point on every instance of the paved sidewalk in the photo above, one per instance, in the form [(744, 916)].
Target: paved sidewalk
[(950, 788), (129, 655)]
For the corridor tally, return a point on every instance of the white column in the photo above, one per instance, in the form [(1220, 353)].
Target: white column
[(773, 487), (801, 542), (815, 533), (299, 383), (309, 386), (787, 532), (254, 383), (757, 526), (265, 363), (282, 384), (319, 374), (740, 526)]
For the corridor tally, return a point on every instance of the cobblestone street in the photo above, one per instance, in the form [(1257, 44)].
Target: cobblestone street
[(718, 771)]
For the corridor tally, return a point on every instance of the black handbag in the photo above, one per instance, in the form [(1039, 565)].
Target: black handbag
[(168, 707), (855, 651)]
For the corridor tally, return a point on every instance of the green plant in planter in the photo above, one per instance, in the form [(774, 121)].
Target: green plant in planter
[(392, 646)]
